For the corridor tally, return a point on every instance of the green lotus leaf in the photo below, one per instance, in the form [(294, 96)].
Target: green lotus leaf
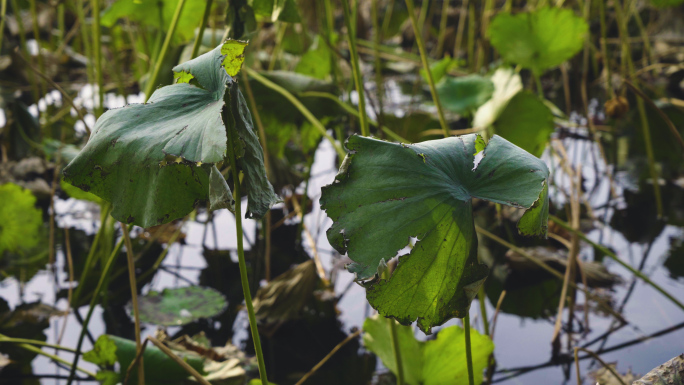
[(432, 362), (463, 95), (20, 220), (152, 161), (538, 40), (377, 338), (445, 357), (387, 193), (527, 122), (180, 306)]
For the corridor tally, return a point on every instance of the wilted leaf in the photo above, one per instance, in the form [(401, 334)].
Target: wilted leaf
[(538, 40), (669, 373), (180, 306), (386, 193), (284, 297)]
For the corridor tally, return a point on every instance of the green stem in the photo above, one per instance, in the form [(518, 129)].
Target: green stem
[(35, 342), (442, 28), (302, 109), (537, 82), (426, 67), (24, 47), (29, 346), (483, 309), (646, 132), (134, 298), (3, 13), (93, 302), (351, 110), (200, 33), (167, 41), (379, 84), (358, 82), (397, 350), (80, 14), (394, 340), (97, 43), (614, 257), (469, 356), (105, 209), (243, 267)]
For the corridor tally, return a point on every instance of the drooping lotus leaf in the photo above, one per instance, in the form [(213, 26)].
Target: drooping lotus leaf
[(20, 220), (173, 307), (387, 193), (538, 40), (464, 94), (152, 161)]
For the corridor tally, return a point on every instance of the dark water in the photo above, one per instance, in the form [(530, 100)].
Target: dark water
[(523, 352)]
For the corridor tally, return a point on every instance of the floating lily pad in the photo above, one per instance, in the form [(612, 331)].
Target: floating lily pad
[(180, 306), (538, 40)]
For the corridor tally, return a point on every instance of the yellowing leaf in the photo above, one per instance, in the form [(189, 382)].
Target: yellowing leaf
[(235, 55)]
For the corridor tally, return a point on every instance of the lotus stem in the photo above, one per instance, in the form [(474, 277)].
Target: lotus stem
[(356, 72), (149, 88), (426, 67), (134, 297), (93, 302), (202, 27), (98, 56), (469, 356), (302, 109), (243, 266)]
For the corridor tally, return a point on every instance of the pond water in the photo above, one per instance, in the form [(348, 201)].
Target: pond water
[(524, 327)]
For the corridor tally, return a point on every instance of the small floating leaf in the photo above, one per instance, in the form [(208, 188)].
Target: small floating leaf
[(387, 193), (180, 306)]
